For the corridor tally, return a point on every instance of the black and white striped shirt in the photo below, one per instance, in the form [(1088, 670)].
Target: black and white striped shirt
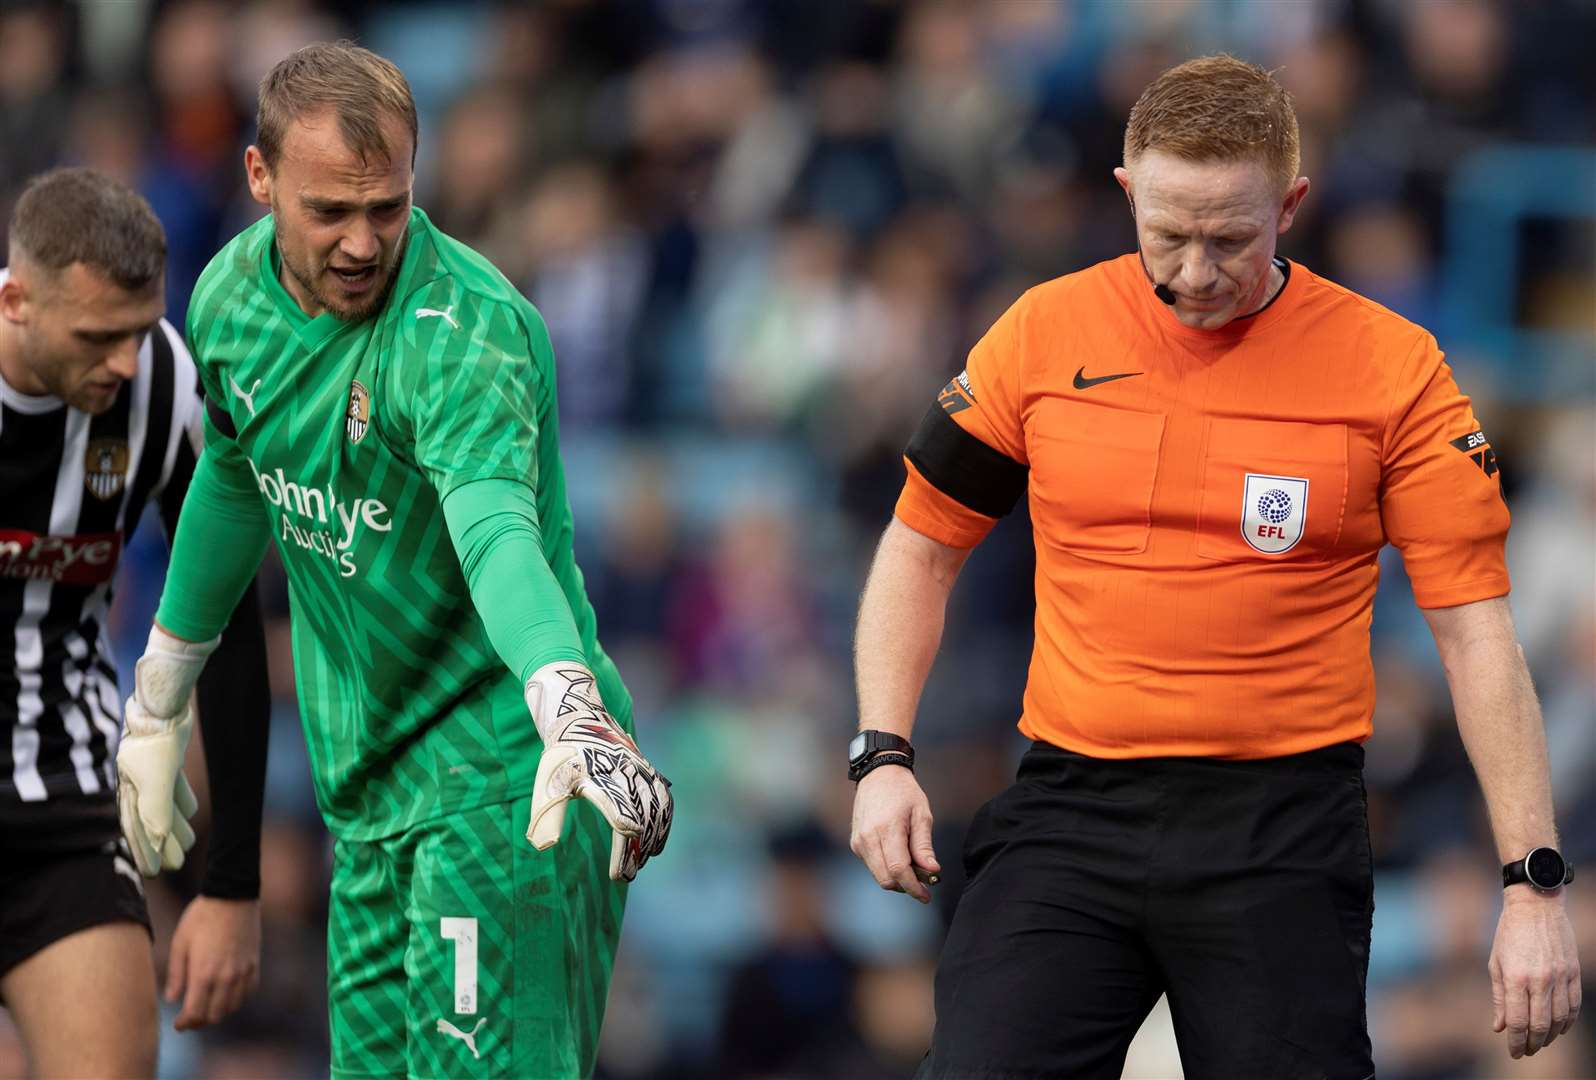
[(72, 489)]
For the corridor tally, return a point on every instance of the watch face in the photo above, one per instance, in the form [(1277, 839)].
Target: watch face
[(856, 747), (1545, 868)]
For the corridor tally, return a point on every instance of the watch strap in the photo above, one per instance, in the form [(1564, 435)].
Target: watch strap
[(857, 773), (876, 741), (1517, 872)]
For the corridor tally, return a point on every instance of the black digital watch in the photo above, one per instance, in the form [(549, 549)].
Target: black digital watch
[(867, 744), (1543, 868)]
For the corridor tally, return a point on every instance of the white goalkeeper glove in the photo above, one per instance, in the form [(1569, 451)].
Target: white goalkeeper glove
[(153, 798), (587, 755)]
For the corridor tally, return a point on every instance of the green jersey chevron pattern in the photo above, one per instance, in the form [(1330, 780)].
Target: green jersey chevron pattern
[(353, 433)]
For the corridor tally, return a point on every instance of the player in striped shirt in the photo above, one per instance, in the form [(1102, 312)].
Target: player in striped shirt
[(99, 417)]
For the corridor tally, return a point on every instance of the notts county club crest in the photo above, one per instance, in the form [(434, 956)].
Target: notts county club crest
[(358, 418), (1273, 512), (105, 467)]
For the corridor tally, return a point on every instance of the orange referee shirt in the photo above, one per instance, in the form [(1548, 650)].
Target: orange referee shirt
[(1208, 506)]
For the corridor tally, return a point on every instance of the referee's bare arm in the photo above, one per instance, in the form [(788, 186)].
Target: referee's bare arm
[(895, 642), (1534, 966)]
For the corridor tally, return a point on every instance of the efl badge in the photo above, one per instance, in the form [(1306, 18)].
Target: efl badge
[(105, 467), (1273, 511), (358, 418)]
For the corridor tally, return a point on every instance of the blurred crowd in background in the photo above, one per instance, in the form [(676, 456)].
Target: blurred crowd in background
[(764, 234)]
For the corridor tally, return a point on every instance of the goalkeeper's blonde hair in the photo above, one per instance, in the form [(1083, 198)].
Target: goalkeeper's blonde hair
[(360, 87)]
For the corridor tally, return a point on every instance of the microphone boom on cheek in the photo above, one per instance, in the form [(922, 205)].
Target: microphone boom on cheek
[(1163, 292)]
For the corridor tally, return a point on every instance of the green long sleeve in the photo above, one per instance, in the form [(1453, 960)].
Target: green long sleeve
[(222, 534), (494, 526)]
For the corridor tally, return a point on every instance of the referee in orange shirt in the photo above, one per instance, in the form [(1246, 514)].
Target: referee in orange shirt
[(1216, 443)]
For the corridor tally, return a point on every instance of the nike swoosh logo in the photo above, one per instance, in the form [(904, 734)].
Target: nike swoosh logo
[(1082, 383)]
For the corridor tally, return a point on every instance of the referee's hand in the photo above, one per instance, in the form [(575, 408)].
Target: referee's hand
[(1535, 984), (892, 831)]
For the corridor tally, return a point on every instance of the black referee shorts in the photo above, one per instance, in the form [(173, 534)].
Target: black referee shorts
[(48, 895), (1242, 889)]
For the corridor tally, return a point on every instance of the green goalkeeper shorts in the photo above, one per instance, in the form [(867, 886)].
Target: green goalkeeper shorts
[(456, 950)]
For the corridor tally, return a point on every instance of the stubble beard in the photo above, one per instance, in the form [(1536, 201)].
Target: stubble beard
[(337, 307)]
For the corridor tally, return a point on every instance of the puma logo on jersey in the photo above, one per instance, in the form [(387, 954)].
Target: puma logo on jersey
[(424, 312), (249, 398), (469, 1038)]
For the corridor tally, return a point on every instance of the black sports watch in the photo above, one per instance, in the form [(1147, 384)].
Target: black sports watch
[(1543, 868), (867, 744)]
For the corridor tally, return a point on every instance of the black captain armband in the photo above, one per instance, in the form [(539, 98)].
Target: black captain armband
[(964, 468), (220, 420)]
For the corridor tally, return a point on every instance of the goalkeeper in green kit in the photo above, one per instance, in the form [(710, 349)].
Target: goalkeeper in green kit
[(380, 404)]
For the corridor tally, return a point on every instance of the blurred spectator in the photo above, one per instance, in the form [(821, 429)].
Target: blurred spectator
[(589, 270), (776, 325), (952, 110), (481, 161), (787, 1006), (35, 96), (1379, 250)]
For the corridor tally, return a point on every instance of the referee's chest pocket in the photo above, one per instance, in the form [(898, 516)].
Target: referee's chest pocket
[(1092, 473), (1272, 489)]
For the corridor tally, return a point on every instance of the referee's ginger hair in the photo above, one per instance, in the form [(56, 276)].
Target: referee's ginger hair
[(1217, 108)]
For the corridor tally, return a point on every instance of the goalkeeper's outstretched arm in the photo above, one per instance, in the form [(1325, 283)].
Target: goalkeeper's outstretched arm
[(586, 754), (900, 628)]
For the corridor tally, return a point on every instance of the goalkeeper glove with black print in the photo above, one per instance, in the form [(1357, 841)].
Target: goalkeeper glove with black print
[(587, 755)]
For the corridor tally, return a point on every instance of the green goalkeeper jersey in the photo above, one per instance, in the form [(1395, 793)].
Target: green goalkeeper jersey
[(353, 434)]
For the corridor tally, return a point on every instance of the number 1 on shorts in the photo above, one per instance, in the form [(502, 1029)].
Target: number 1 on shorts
[(463, 932)]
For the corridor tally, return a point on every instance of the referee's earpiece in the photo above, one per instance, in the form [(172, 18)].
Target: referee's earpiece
[(1165, 294)]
